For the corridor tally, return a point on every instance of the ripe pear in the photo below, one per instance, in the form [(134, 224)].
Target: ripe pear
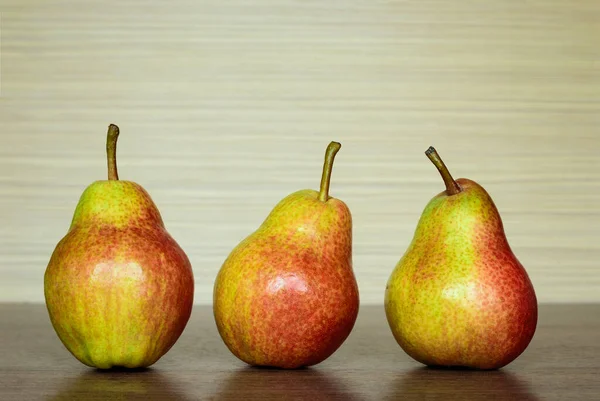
[(286, 296), (459, 297), (118, 288)]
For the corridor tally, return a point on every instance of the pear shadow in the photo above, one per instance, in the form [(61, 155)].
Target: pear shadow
[(264, 383), (117, 369), (457, 368), (443, 383), (275, 368), (120, 384)]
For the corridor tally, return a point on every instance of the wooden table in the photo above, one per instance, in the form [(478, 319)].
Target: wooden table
[(562, 363)]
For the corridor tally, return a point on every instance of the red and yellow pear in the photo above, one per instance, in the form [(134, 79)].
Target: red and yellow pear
[(459, 297), (118, 288), (286, 296)]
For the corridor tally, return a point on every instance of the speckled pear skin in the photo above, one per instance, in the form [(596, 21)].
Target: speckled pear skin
[(459, 296), (118, 288), (286, 296)]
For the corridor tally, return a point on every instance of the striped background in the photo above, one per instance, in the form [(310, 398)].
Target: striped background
[(226, 107)]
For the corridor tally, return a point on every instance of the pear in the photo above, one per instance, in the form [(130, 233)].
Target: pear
[(286, 296), (459, 296), (118, 288)]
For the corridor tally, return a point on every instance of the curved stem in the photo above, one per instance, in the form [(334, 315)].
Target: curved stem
[(330, 153), (111, 151), (452, 187)]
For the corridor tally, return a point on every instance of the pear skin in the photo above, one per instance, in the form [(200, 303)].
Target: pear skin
[(286, 296), (459, 296), (118, 288)]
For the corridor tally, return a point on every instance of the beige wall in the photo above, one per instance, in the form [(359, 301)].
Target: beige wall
[(226, 107)]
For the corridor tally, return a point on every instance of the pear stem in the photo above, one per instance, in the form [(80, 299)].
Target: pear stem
[(452, 187), (330, 153), (111, 151)]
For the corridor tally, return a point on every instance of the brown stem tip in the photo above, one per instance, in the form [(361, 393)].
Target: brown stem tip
[(330, 153), (111, 151), (452, 187)]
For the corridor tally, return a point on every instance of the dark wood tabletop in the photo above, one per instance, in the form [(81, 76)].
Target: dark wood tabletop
[(562, 363)]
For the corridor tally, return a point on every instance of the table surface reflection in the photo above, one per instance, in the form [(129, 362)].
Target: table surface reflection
[(562, 363)]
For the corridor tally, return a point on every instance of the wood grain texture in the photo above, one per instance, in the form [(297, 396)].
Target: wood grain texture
[(226, 107), (561, 363)]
